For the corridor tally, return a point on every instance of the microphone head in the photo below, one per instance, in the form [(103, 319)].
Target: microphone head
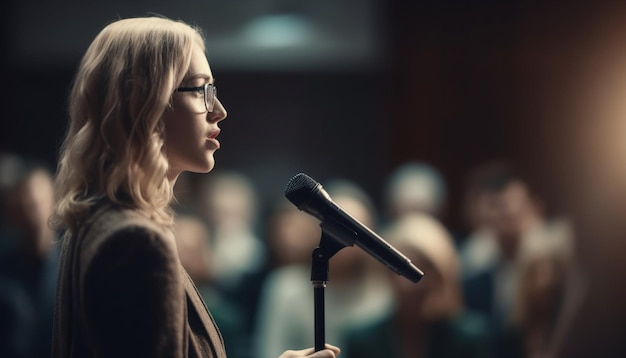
[(308, 195), (299, 189)]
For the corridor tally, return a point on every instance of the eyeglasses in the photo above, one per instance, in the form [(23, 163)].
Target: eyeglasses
[(208, 91)]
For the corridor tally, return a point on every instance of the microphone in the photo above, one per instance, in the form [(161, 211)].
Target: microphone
[(309, 196)]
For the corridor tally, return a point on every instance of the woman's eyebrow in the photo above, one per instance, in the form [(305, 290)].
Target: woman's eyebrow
[(200, 76)]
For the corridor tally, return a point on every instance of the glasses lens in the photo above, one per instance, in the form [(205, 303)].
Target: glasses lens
[(210, 92)]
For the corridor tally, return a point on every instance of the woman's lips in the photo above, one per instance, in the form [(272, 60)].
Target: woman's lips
[(212, 137)]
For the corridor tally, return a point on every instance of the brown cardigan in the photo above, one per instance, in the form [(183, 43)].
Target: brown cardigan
[(122, 292)]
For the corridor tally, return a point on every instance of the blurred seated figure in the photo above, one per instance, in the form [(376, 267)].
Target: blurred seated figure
[(28, 268), (355, 293), (192, 239), (542, 265), (428, 318)]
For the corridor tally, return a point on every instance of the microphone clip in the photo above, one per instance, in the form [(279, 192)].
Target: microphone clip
[(335, 236)]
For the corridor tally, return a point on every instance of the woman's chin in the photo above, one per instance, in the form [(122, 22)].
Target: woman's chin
[(198, 169), (208, 165)]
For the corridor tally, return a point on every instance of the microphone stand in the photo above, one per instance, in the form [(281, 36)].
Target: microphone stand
[(335, 236)]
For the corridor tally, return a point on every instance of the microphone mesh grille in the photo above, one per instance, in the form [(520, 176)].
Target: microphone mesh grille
[(299, 188)]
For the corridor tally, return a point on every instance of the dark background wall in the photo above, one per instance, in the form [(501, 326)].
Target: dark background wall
[(449, 82)]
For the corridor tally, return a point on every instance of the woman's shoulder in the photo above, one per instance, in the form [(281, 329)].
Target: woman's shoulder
[(119, 228), (108, 220), (108, 216)]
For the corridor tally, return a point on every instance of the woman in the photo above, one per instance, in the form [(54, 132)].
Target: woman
[(143, 109)]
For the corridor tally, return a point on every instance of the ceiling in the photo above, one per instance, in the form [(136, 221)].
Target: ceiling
[(241, 35)]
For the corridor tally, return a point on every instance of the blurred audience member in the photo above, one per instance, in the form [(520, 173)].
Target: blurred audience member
[(193, 242), (228, 203), (28, 268), (428, 318), (542, 265), (291, 235), (192, 238), (11, 169), (479, 249), (415, 187), (505, 213), (355, 293)]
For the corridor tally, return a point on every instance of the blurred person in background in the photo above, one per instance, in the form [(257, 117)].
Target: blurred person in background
[(543, 263), (355, 293), (143, 109), (415, 187), (291, 235), (11, 168), (505, 214), (479, 248), (28, 268), (193, 241), (428, 318), (228, 202)]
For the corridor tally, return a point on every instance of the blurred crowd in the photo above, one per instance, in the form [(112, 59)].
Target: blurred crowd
[(29, 257), (493, 288)]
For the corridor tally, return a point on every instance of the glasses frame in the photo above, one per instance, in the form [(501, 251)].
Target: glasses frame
[(209, 102)]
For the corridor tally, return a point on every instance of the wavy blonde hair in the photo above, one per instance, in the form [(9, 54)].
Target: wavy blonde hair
[(114, 146)]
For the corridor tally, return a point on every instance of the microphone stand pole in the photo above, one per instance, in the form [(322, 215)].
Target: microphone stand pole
[(335, 237)]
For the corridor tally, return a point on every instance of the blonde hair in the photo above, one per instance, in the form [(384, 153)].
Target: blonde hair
[(114, 146), (424, 233)]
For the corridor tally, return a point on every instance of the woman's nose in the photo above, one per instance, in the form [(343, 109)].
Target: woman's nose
[(219, 112)]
